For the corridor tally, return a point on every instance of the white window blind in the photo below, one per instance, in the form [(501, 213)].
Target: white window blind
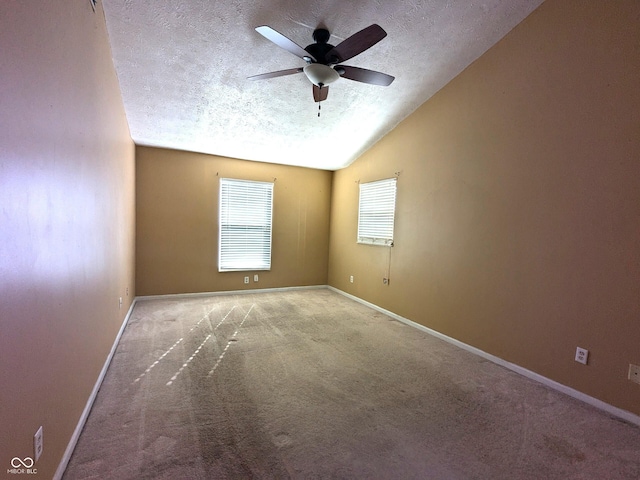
[(245, 225), (376, 212)]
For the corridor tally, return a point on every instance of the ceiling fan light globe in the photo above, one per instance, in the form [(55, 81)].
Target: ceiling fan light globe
[(320, 75)]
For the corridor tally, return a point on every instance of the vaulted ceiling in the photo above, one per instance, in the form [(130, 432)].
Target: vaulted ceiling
[(183, 68)]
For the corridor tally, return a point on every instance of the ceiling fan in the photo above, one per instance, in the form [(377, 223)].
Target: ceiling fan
[(324, 61)]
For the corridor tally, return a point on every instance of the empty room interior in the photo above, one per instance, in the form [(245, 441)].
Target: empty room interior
[(511, 135)]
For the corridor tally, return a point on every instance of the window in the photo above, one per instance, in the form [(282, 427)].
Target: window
[(376, 211), (245, 225)]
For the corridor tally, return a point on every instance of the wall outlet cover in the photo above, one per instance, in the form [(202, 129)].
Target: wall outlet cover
[(582, 355), (38, 444)]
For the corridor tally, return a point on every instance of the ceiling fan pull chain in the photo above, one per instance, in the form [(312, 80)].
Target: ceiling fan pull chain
[(318, 109)]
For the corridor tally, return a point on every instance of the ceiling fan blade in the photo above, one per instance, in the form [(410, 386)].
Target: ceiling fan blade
[(364, 75), (279, 73), (283, 42), (320, 94), (357, 43)]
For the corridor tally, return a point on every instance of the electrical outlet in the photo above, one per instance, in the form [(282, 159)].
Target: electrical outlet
[(127, 291), (38, 444), (255, 277), (582, 355), (120, 302), (246, 279), (634, 373), (351, 279)]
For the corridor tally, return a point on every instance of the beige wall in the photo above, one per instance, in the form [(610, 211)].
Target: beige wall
[(517, 228), (177, 229), (66, 220), (518, 209)]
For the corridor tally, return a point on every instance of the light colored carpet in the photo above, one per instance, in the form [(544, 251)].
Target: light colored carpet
[(308, 384)]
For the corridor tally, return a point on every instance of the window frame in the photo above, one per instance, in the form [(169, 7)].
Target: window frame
[(379, 201), (255, 220)]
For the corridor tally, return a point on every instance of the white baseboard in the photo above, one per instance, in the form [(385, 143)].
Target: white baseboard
[(87, 409), (615, 411), (178, 296)]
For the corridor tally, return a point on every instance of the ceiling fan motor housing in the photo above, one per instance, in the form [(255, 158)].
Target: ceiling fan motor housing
[(320, 49)]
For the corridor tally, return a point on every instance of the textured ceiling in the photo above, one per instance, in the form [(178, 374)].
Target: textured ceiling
[(183, 68)]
